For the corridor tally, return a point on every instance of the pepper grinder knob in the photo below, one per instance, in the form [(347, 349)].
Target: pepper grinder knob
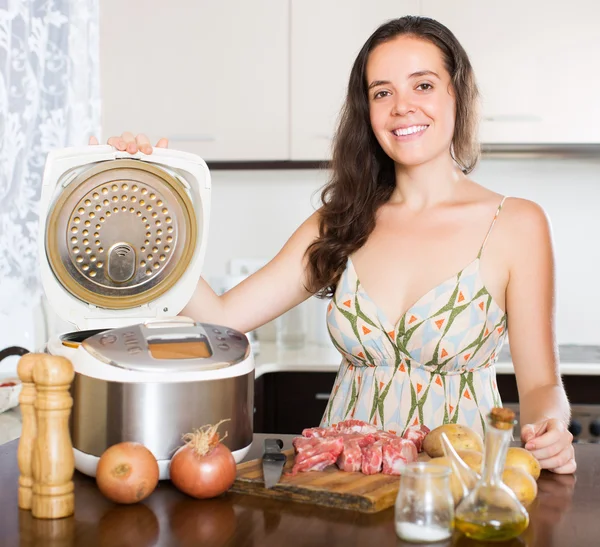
[(53, 458)]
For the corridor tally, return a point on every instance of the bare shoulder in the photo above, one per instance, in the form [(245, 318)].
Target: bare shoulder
[(521, 215), (526, 227)]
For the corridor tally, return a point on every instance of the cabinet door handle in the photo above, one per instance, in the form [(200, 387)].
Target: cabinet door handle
[(322, 396)]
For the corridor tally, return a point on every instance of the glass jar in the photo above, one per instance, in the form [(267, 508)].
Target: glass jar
[(424, 510)]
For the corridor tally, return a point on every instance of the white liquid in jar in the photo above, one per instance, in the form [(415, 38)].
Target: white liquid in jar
[(421, 533)]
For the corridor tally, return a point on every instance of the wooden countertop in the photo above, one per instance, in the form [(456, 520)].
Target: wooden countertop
[(566, 513)]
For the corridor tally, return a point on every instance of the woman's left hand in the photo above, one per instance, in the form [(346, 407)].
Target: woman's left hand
[(551, 443)]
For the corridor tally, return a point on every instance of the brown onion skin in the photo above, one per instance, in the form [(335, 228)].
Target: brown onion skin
[(127, 472), (203, 477)]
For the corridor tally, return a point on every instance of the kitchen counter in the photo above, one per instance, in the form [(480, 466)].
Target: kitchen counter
[(565, 513)]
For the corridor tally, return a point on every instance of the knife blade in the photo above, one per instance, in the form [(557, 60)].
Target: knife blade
[(273, 462)]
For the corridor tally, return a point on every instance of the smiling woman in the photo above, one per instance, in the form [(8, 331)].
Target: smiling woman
[(424, 265)]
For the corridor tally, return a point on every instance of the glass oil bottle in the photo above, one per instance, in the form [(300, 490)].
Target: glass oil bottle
[(491, 511)]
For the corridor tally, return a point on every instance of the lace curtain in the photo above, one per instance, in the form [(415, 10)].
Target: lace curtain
[(49, 98)]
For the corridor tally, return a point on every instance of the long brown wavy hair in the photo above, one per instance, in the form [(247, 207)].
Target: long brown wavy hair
[(363, 175)]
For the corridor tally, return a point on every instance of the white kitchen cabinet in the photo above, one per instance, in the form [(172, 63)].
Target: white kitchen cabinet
[(537, 64), (210, 76), (326, 36)]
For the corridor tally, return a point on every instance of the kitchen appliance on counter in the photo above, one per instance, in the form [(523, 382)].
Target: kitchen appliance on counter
[(122, 247)]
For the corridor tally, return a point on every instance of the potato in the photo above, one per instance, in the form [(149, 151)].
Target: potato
[(455, 486), (461, 437), (521, 483), (473, 458), (523, 459)]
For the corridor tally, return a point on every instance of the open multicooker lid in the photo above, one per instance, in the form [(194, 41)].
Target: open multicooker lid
[(123, 237)]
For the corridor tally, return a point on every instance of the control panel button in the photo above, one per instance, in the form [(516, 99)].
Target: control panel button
[(108, 339), (575, 428), (595, 428), (235, 335), (217, 331), (221, 338), (224, 347)]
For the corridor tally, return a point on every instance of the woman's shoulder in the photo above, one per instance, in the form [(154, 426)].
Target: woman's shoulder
[(525, 225), (521, 213)]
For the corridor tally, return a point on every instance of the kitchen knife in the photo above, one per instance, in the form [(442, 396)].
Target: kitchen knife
[(273, 462)]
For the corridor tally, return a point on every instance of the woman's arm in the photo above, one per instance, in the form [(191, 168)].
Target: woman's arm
[(271, 291), (530, 303)]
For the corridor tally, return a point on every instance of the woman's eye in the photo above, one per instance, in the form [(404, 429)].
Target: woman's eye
[(381, 94), (424, 87)]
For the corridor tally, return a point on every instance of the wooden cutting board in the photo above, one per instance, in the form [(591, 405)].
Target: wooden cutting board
[(331, 487)]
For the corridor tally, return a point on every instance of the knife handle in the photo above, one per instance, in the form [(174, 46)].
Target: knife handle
[(273, 446)]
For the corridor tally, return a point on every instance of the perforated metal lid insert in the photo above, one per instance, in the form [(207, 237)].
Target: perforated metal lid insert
[(121, 233)]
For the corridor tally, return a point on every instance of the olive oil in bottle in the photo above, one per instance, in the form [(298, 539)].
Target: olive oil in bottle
[(496, 527), (491, 511)]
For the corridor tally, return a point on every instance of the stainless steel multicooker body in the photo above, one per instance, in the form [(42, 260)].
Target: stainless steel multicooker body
[(123, 247)]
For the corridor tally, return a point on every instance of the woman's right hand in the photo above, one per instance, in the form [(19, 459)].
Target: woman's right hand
[(127, 142)]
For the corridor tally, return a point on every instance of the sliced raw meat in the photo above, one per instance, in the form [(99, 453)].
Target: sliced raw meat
[(314, 454), (355, 445), (351, 457), (396, 454), (372, 458), (315, 432), (347, 426), (355, 426), (317, 462), (416, 434), (308, 447), (302, 444)]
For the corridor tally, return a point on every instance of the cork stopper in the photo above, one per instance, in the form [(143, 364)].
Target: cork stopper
[(502, 418)]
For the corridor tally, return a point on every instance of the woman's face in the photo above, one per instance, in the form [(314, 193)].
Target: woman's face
[(411, 101)]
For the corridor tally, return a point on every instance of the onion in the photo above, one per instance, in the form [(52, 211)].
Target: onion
[(203, 467), (127, 472)]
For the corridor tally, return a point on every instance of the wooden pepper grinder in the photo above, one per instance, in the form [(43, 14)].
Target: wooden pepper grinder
[(29, 428), (53, 459)]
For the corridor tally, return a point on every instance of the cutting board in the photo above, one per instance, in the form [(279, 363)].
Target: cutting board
[(331, 487)]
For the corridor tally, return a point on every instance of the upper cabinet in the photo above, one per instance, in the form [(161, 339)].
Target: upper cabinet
[(326, 37), (211, 76), (265, 80), (537, 64)]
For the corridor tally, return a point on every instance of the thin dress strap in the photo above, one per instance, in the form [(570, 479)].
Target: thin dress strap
[(491, 226)]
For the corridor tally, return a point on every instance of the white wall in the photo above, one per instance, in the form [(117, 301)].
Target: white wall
[(254, 212)]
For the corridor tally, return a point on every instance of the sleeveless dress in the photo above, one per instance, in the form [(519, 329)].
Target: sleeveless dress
[(435, 366)]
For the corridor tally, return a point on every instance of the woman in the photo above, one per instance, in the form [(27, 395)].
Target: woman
[(424, 265)]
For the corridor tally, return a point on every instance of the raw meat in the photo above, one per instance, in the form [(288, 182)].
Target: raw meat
[(316, 462), (355, 446), (396, 454), (416, 434), (345, 427), (351, 457), (372, 458), (316, 454)]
